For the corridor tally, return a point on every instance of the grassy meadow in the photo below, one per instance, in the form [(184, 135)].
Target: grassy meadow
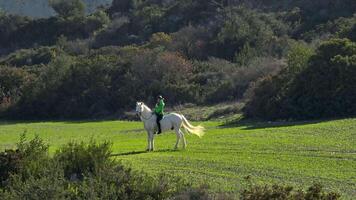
[(228, 158)]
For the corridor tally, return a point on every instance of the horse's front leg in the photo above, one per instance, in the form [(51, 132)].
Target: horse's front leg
[(150, 141)]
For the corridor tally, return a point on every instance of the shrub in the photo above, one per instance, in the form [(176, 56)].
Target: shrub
[(13, 84), (10, 163), (35, 157), (50, 184), (220, 80), (200, 193), (191, 42), (159, 40), (28, 57), (79, 159), (26, 161), (298, 57), (123, 183), (279, 192), (326, 87), (246, 34)]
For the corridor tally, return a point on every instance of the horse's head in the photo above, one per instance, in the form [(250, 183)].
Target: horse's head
[(139, 107)]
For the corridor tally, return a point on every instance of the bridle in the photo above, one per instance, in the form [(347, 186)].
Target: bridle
[(146, 119), (139, 113)]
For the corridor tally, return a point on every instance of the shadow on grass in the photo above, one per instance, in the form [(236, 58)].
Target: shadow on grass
[(248, 124), (143, 152)]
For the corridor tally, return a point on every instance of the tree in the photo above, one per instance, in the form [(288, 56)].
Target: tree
[(326, 88), (68, 8), (298, 57), (12, 83), (321, 86)]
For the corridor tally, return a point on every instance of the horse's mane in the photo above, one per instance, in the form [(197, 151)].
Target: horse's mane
[(146, 107)]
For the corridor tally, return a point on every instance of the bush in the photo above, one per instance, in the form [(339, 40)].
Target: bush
[(26, 161), (49, 185), (35, 157), (246, 34), (13, 84), (220, 80), (122, 183), (10, 163), (29, 57), (80, 159), (279, 192), (326, 87), (193, 42)]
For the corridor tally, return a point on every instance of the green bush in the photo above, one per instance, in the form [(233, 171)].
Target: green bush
[(326, 87), (13, 84), (279, 192), (26, 161), (10, 163), (80, 159), (29, 57), (50, 184)]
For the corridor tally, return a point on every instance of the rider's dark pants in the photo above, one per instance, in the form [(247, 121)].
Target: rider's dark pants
[(159, 117)]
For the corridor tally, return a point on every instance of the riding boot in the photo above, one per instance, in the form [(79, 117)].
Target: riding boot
[(159, 128)]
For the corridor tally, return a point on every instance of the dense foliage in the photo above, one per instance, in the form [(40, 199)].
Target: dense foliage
[(321, 85), (78, 65)]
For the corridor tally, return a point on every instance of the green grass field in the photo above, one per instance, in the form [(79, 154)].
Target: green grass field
[(299, 154)]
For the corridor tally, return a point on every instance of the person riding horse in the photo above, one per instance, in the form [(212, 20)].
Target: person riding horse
[(159, 112)]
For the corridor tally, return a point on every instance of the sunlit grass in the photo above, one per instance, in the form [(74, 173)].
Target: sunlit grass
[(298, 154)]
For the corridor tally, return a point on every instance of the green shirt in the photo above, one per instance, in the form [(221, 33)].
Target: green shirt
[(159, 107)]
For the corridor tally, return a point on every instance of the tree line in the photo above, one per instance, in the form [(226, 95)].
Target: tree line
[(285, 60)]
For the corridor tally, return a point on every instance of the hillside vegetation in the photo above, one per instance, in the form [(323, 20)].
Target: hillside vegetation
[(284, 59), (41, 8)]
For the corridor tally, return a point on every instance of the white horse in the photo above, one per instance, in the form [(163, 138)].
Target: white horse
[(172, 121)]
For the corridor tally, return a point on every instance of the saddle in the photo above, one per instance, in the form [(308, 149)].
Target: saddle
[(172, 128)]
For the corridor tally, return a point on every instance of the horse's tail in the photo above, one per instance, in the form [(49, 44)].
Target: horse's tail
[(196, 130)]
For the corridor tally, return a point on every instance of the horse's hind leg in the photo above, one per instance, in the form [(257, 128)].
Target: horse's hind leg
[(178, 138), (152, 142), (183, 137), (148, 142)]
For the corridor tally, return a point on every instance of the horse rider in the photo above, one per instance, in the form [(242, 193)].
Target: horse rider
[(159, 112)]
